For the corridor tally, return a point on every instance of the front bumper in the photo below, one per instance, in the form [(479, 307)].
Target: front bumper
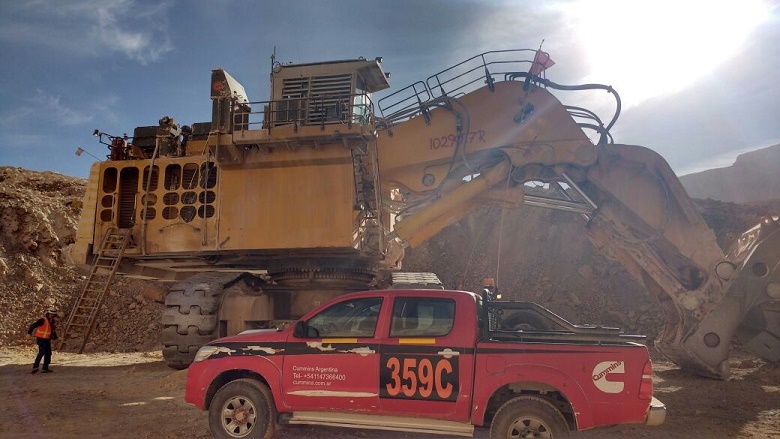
[(198, 380), (656, 413)]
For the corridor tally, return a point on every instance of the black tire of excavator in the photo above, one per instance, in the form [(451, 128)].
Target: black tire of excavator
[(191, 315)]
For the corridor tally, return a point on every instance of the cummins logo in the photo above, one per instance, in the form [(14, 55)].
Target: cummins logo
[(602, 370)]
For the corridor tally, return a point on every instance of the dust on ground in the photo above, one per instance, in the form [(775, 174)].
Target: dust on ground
[(135, 395)]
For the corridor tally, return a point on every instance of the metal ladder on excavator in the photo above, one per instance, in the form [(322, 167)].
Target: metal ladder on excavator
[(82, 318), (366, 168)]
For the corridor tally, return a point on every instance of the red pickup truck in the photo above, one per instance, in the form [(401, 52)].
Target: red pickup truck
[(428, 361)]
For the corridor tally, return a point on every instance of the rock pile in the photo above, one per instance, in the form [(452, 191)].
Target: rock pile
[(541, 256), (39, 213)]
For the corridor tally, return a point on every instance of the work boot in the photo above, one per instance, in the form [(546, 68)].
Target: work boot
[(46, 371), (35, 370)]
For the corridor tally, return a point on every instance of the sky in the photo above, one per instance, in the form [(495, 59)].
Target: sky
[(698, 79)]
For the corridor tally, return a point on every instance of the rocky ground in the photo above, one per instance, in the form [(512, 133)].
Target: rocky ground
[(122, 388)]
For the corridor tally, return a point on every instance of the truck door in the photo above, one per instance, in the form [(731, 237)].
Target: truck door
[(425, 364), (333, 365)]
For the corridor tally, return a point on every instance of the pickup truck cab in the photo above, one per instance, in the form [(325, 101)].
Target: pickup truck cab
[(427, 361)]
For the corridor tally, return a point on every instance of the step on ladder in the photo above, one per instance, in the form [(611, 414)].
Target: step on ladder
[(82, 318)]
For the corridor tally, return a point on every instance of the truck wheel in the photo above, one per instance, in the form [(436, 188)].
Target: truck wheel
[(242, 409), (190, 317), (528, 417)]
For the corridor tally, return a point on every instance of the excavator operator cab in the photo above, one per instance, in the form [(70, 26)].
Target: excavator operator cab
[(331, 92), (324, 94)]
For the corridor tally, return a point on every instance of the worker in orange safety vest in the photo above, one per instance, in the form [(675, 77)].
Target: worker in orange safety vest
[(44, 332)]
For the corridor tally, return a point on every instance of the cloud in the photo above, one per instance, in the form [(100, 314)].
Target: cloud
[(90, 28), (20, 143), (105, 105), (50, 109), (144, 45), (11, 119), (733, 109)]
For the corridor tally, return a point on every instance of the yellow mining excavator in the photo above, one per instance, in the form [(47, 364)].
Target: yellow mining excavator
[(275, 206)]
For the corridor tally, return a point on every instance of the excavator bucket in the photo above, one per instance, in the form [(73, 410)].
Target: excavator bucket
[(647, 222), (749, 309)]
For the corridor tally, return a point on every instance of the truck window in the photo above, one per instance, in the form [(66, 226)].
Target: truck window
[(353, 318), (422, 317)]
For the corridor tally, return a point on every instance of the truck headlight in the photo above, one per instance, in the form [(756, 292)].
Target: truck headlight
[(205, 352)]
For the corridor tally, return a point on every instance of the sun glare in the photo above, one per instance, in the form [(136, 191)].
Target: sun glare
[(650, 48)]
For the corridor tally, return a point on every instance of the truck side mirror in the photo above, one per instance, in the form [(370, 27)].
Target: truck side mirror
[(299, 330), (303, 330)]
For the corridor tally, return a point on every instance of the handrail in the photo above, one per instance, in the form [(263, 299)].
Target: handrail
[(460, 76), (457, 79), (321, 109), (414, 99), (478, 71)]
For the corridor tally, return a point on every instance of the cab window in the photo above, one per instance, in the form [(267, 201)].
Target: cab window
[(422, 317), (353, 318)]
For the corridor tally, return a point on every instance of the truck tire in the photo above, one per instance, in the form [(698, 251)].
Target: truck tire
[(190, 317), (526, 319), (242, 409), (528, 416)]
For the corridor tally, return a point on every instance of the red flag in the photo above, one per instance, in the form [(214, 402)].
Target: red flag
[(79, 151), (541, 63)]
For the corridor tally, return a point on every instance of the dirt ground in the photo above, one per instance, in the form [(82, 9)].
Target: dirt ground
[(134, 395)]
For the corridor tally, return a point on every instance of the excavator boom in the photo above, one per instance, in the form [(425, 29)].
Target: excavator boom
[(481, 144)]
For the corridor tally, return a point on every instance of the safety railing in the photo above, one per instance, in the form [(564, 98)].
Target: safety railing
[(457, 80), (320, 110), (404, 101), (479, 71)]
